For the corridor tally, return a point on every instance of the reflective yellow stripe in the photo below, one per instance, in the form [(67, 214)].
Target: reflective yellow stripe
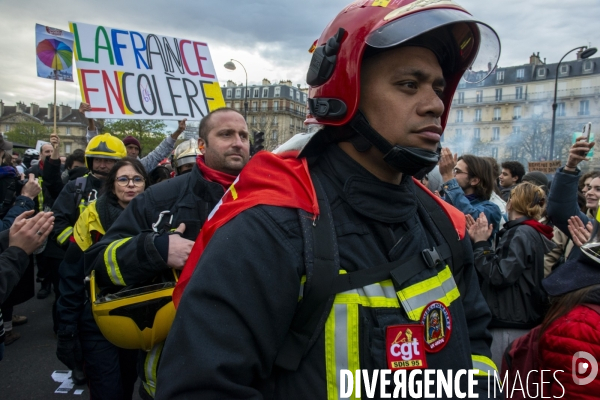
[(150, 367), (110, 260), (40, 195), (64, 235), (484, 364), (302, 283), (441, 287)]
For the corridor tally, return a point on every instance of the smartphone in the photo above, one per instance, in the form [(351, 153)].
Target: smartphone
[(587, 131)]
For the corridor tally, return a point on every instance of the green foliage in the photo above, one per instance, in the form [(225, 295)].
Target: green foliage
[(28, 133), (149, 132)]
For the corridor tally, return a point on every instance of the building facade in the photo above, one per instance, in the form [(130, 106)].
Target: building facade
[(70, 123), (508, 116), (278, 110)]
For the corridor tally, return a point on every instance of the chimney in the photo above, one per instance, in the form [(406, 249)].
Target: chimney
[(1, 108), (34, 109), (534, 59), (230, 83), (63, 111), (50, 111), (266, 82), (21, 107)]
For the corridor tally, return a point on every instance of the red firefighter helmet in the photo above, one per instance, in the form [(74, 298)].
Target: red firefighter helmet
[(472, 49)]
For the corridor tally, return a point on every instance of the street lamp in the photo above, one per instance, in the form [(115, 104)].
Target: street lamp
[(231, 66), (586, 53)]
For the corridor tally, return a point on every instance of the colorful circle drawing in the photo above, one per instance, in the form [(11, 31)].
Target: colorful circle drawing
[(55, 54)]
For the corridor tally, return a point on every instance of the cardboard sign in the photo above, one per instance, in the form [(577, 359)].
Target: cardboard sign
[(54, 53), (547, 167), (135, 75)]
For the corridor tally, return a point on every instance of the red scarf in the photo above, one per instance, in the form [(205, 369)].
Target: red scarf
[(545, 230), (267, 179), (213, 175)]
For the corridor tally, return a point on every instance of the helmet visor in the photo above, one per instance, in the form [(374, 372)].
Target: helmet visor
[(477, 44)]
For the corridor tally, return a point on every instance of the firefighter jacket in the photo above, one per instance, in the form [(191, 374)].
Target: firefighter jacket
[(73, 199), (128, 253), (242, 297)]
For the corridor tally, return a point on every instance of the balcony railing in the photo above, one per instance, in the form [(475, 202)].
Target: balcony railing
[(535, 96)]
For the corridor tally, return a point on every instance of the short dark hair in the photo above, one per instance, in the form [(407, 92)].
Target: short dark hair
[(158, 174), (77, 155), (515, 168), (482, 169), (109, 183), (205, 126)]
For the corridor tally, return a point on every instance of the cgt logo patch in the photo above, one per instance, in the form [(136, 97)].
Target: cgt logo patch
[(437, 322), (404, 347)]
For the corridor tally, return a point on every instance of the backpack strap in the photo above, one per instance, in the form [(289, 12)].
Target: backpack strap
[(80, 184)]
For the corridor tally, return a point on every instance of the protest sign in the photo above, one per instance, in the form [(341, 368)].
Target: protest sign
[(135, 75), (547, 167), (54, 53)]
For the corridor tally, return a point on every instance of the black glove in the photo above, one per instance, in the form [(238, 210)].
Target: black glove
[(68, 349)]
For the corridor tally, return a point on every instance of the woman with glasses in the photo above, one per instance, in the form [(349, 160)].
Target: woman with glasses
[(511, 276), (110, 371)]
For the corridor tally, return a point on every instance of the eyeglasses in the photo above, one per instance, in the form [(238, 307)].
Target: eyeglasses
[(124, 181), (456, 171)]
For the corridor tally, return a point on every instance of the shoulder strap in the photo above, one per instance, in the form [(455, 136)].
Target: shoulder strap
[(317, 299), (79, 189)]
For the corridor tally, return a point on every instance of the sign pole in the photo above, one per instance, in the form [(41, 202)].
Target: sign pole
[(54, 102)]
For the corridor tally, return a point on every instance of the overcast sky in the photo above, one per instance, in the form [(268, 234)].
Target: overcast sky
[(269, 37)]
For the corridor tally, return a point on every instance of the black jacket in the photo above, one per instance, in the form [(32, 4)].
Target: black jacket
[(511, 276), (240, 301), (189, 198)]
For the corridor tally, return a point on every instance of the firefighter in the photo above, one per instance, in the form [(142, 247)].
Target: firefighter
[(335, 259)]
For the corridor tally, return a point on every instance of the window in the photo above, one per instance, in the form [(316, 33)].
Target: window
[(516, 130), (458, 133), (564, 70), (477, 133), (238, 93), (304, 97), (479, 96), (541, 72), (297, 96), (459, 116), (263, 106), (498, 94), (68, 131), (255, 92), (277, 91), (255, 106), (6, 128), (461, 97), (228, 95), (274, 135), (477, 115), (254, 119), (584, 107), (499, 76), (494, 152), (228, 104), (247, 93), (67, 147), (519, 92), (265, 92), (560, 110), (517, 112), (236, 105), (495, 133), (520, 74), (497, 114), (275, 106), (291, 93), (275, 120), (588, 66)]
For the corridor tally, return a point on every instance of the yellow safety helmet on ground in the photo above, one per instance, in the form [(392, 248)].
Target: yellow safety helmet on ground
[(104, 146), (136, 318), (185, 153)]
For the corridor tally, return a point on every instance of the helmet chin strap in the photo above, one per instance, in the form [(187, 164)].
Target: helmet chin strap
[(408, 160)]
